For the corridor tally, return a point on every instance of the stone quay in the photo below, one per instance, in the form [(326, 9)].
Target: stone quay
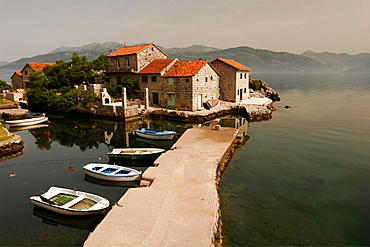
[(179, 206)]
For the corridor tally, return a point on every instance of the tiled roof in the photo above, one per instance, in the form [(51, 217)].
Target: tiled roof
[(39, 66), (185, 68), (234, 64), (157, 66), (18, 73), (128, 50)]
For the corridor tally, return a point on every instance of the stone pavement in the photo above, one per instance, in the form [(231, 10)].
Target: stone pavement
[(180, 207)]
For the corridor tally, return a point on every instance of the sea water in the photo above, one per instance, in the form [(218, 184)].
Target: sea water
[(303, 177)]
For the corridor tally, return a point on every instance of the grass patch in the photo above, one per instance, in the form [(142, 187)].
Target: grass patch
[(6, 101), (4, 134)]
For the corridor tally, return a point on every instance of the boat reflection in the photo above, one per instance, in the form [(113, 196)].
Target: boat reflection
[(160, 144), (129, 184), (79, 222), (30, 127)]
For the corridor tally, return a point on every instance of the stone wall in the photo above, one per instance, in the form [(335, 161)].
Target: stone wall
[(227, 80), (234, 83), (147, 55), (206, 86)]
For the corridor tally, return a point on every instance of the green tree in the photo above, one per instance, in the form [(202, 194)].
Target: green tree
[(4, 85), (100, 63)]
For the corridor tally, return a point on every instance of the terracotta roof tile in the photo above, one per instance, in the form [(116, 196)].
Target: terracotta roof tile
[(18, 73), (128, 50), (39, 66), (185, 68), (157, 66), (234, 64)]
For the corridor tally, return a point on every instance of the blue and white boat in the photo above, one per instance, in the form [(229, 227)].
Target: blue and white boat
[(155, 134), (111, 172)]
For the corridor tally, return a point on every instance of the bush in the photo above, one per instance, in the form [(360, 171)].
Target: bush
[(89, 100), (255, 85)]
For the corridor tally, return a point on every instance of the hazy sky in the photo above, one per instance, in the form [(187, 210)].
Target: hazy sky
[(33, 27)]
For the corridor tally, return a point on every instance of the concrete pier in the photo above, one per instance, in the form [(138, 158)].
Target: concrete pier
[(180, 207)]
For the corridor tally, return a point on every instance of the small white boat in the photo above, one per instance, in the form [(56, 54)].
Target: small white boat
[(71, 202), (134, 153), (155, 134), (32, 118), (111, 172)]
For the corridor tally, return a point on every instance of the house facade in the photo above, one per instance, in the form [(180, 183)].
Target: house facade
[(181, 85), (127, 61), (20, 79), (234, 80)]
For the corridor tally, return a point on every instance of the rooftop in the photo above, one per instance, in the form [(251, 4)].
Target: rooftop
[(128, 50), (234, 64), (185, 68)]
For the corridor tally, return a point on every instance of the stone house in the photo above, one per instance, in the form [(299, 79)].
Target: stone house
[(234, 79), (127, 61), (181, 85), (20, 79)]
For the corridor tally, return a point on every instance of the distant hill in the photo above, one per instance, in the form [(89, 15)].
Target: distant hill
[(257, 59), (342, 61)]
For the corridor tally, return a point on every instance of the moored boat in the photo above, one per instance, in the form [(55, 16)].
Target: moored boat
[(155, 134), (134, 153), (31, 119), (71, 202), (111, 172)]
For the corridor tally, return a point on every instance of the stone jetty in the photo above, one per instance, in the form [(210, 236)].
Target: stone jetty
[(180, 205)]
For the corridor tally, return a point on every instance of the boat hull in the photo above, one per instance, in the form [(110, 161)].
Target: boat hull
[(66, 211), (134, 153), (131, 175), (26, 122), (155, 135)]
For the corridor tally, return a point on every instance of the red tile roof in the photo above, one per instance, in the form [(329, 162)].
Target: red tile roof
[(39, 66), (128, 50), (18, 73), (185, 68), (157, 66), (234, 64)]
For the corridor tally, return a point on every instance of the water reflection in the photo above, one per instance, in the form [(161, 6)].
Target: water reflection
[(78, 222)]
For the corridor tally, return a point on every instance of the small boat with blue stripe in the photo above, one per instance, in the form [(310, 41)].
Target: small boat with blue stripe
[(155, 134), (111, 172)]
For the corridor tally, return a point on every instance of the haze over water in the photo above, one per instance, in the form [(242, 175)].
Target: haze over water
[(303, 178)]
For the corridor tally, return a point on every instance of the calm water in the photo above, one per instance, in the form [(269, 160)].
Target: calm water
[(303, 178), (48, 152)]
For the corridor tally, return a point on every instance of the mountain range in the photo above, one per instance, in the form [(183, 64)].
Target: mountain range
[(259, 60)]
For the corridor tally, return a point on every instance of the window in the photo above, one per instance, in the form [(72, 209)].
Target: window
[(118, 80), (170, 99), (245, 75), (170, 81), (144, 78), (245, 90), (118, 64), (128, 62), (154, 78), (241, 75), (206, 79)]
